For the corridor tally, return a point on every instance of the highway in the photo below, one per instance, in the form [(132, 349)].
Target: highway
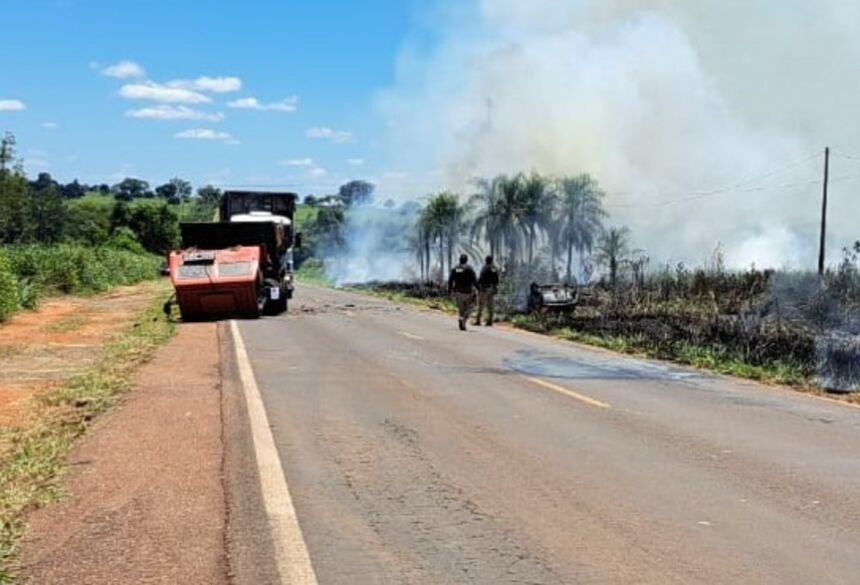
[(415, 453)]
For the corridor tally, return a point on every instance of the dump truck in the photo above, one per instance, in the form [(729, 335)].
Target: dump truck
[(241, 265)]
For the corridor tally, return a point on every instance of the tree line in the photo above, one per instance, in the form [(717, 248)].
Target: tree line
[(519, 220), (130, 214)]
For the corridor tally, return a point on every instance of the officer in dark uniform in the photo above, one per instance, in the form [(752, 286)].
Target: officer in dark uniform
[(488, 286), (462, 284)]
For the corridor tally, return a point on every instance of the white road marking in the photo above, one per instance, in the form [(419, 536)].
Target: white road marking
[(291, 552), (411, 336)]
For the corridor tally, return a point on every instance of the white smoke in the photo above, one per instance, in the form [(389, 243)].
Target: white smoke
[(375, 248), (690, 114)]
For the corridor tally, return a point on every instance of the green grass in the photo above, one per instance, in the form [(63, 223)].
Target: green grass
[(312, 271), (305, 215), (31, 470), (28, 272)]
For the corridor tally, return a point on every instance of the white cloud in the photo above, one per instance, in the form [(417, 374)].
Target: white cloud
[(324, 133), (49, 125), (162, 93), (318, 172), (167, 112), (355, 162), (297, 162), (12, 106), (251, 103), (124, 70), (203, 134), (211, 84)]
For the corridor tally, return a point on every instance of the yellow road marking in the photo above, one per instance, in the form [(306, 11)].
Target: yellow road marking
[(411, 336), (567, 392)]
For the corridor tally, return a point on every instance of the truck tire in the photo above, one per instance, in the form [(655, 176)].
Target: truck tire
[(276, 307)]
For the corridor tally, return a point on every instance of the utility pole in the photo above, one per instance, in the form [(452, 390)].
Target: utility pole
[(821, 245)]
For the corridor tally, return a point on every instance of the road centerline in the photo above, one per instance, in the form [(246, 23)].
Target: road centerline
[(291, 552), (568, 392), (410, 336)]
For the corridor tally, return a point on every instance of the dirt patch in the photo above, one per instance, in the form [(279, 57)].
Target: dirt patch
[(144, 500), (40, 349)]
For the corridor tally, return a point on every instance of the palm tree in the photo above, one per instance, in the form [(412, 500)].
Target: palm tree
[(487, 223), (499, 216), (443, 222), (537, 203), (580, 216), (612, 250)]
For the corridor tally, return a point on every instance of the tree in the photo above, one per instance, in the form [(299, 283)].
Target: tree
[(131, 188), (43, 182), (155, 224), (356, 193), (579, 218), (181, 188), (326, 232), (167, 191), (209, 195), (442, 222), (499, 216), (15, 217), (538, 201), (89, 220), (73, 190), (120, 216), (47, 212), (613, 248)]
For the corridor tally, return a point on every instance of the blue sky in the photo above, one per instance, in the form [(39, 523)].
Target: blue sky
[(92, 81)]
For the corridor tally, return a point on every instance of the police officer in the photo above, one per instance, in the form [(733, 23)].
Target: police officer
[(488, 286), (462, 284)]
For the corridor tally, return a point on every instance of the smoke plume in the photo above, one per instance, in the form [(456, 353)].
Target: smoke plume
[(704, 121)]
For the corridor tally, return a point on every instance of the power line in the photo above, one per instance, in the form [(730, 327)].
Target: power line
[(756, 189), (845, 155), (697, 194), (255, 186)]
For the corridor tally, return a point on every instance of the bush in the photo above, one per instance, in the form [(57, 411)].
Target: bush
[(77, 269), (9, 294), (124, 239)]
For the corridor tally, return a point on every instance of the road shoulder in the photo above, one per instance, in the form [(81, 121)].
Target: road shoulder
[(144, 496)]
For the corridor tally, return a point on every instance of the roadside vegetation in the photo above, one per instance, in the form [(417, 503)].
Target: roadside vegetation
[(82, 239), (35, 453)]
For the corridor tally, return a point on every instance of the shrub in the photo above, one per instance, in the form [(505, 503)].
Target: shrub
[(124, 239), (9, 294), (77, 269)]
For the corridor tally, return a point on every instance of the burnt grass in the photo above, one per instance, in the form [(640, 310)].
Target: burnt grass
[(773, 326), (665, 335)]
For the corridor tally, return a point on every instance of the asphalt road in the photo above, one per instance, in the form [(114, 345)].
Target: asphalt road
[(419, 454)]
